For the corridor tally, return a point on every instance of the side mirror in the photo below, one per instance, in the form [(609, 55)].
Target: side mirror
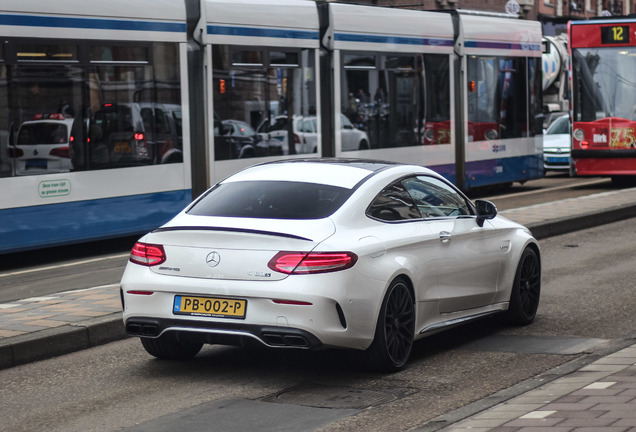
[(485, 210)]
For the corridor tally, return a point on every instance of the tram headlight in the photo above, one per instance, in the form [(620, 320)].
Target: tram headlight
[(579, 134), (491, 134)]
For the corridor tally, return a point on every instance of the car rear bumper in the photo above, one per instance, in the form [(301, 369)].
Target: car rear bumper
[(224, 333)]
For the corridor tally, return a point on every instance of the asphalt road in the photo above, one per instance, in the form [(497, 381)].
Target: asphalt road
[(587, 307)]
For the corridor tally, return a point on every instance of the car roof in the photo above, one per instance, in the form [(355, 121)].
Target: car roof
[(340, 172)]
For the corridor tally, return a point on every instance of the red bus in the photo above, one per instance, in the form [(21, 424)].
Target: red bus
[(603, 80)]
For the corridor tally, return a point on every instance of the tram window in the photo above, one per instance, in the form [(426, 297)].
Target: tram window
[(283, 59), (58, 53), (120, 109), (119, 54), (247, 58), (384, 98), (6, 162), (268, 93), (497, 99), (435, 125)]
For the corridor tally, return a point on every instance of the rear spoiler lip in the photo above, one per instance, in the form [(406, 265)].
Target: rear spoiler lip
[(226, 229)]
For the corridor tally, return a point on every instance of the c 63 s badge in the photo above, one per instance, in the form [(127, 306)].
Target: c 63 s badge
[(259, 274)]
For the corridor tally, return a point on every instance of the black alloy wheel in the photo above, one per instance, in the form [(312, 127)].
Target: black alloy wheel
[(391, 347), (526, 291)]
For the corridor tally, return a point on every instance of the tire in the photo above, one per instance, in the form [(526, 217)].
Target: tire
[(526, 291), (170, 347), (364, 145), (393, 341)]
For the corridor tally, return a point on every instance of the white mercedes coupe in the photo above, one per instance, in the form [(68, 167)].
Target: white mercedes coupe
[(327, 253)]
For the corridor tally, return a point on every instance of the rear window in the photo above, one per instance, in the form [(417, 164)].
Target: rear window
[(271, 200), (43, 133)]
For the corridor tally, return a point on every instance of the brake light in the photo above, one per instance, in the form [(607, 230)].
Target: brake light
[(312, 262), (139, 136), (62, 152), (147, 254)]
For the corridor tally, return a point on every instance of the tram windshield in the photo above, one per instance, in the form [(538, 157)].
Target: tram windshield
[(603, 83)]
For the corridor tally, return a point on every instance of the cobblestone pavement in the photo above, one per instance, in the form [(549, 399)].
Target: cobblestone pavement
[(39, 313)]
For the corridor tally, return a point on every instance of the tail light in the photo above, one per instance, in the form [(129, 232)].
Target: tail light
[(147, 254), (312, 262), (15, 152), (296, 139), (140, 145), (62, 152)]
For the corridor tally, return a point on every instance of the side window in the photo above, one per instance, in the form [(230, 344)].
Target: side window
[(434, 198), (394, 203)]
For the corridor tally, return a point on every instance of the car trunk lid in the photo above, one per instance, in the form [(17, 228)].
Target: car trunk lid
[(234, 251)]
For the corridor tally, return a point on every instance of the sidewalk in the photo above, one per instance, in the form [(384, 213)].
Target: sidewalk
[(599, 396)]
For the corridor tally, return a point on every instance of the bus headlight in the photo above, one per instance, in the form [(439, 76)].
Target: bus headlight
[(491, 134), (429, 134), (579, 134)]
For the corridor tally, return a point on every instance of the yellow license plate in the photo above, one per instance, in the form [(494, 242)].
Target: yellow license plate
[(122, 147), (209, 307)]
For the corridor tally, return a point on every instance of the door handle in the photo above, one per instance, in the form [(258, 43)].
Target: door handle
[(445, 236)]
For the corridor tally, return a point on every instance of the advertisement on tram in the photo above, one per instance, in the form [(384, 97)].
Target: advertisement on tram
[(603, 57)]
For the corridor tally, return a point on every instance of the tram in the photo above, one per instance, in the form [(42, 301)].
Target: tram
[(603, 95), (114, 117)]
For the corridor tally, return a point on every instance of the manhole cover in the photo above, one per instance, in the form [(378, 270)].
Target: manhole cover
[(337, 397)]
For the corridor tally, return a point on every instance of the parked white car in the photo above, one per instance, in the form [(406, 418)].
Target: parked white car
[(556, 144), (306, 134)]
